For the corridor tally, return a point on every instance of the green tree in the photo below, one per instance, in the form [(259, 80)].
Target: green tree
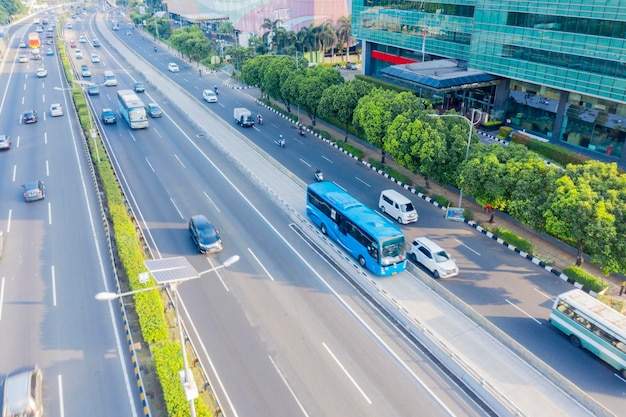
[(344, 33), (481, 177), (316, 80), (327, 38), (586, 208), (339, 101), (277, 72), (269, 37), (253, 72)]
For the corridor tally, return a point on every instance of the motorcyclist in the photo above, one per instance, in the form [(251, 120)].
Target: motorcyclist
[(301, 130), (155, 49), (318, 175), (259, 118), (215, 89), (281, 141)]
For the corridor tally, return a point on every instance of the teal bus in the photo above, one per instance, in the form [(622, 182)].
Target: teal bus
[(132, 109), (374, 241), (593, 325)]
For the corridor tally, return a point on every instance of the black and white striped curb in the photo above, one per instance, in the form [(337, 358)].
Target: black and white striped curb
[(470, 223)]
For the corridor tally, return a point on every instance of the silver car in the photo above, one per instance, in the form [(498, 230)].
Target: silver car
[(5, 142), (34, 190)]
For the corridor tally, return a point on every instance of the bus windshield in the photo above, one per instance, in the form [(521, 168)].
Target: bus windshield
[(393, 251)]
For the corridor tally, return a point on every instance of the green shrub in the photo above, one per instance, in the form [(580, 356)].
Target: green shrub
[(349, 148), (513, 239), (517, 137), (583, 277), (420, 189), (504, 131), (468, 215), (441, 200), (492, 123), (323, 133)]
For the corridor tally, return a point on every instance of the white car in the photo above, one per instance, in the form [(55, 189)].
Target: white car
[(209, 96), (82, 39), (173, 67), (426, 252), (23, 58), (78, 54), (42, 72), (95, 58), (56, 110)]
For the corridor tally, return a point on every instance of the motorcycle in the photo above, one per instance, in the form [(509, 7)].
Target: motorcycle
[(260, 119), (301, 131), (319, 176), (217, 93)]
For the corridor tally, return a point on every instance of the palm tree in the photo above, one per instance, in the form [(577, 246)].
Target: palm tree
[(327, 37), (271, 26), (307, 38), (344, 33)]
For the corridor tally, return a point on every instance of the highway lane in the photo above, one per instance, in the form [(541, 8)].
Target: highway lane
[(176, 181), (54, 257), (505, 288)]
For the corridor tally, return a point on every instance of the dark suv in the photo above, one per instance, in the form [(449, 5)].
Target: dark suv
[(204, 235), (139, 88), (108, 117)]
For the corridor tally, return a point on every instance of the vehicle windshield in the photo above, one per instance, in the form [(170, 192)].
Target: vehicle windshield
[(441, 256), (393, 251), (407, 207), (207, 234)]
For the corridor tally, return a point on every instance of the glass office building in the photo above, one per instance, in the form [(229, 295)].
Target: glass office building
[(560, 65)]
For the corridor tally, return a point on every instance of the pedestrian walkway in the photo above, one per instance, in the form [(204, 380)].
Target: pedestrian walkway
[(550, 252)]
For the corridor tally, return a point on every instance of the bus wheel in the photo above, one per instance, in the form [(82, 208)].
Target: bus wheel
[(575, 340), (362, 261), (323, 227)]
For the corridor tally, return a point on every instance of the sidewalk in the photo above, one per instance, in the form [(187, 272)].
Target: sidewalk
[(556, 255)]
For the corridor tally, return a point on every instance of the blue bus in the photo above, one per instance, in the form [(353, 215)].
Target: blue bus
[(374, 241), (592, 325), (132, 109)]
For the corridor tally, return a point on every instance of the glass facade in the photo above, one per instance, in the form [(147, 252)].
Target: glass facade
[(565, 60)]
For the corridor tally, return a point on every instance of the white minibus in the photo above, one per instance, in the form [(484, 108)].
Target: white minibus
[(109, 79)]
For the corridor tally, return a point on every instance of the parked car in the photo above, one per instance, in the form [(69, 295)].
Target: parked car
[(351, 66), (433, 257), (5, 142), (56, 109), (138, 87), (108, 116), (153, 110), (95, 58), (30, 117), (173, 67), (34, 190), (93, 90), (209, 96), (204, 235), (42, 72)]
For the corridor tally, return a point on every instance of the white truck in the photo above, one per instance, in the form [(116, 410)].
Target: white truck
[(243, 116)]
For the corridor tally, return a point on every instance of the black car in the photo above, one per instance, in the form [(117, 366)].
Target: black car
[(139, 88), (34, 190), (108, 116), (204, 235), (30, 117), (153, 110)]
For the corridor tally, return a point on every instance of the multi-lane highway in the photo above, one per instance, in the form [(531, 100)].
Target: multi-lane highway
[(281, 333), (55, 253)]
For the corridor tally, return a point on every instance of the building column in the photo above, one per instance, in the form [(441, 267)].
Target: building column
[(558, 117)]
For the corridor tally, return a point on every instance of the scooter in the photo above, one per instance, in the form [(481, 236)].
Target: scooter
[(280, 142), (217, 93), (301, 131), (260, 119), (319, 176)]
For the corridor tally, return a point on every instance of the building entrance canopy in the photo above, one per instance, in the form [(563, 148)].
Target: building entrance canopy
[(444, 75)]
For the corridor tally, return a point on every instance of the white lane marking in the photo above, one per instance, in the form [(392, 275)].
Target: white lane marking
[(132, 136), (340, 186), (61, 404), (297, 140), (23, 97), (260, 264), (549, 297), (1, 297), (49, 213), (44, 100), (150, 165), (9, 221), (305, 162), (47, 169), (523, 312), (211, 201), (154, 129), (463, 244), (18, 141), (179, 213), (364, 183), (327, 159), (293, 394), (179, 161), (14, 172), (45, 137), (54, 287), (345, 371)]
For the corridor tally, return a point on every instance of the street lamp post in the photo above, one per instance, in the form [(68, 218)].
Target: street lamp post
[(469, 139), (297, 71), (170, 273)]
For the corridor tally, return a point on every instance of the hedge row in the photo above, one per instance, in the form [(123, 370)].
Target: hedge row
[(583, 277), (549, 150)]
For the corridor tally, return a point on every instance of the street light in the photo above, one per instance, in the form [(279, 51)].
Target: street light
[(469, 139), (170, 272), (297, 71)]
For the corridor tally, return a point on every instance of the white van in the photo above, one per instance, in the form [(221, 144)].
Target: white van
[(23, 394), (397, 206), (109, 79)]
